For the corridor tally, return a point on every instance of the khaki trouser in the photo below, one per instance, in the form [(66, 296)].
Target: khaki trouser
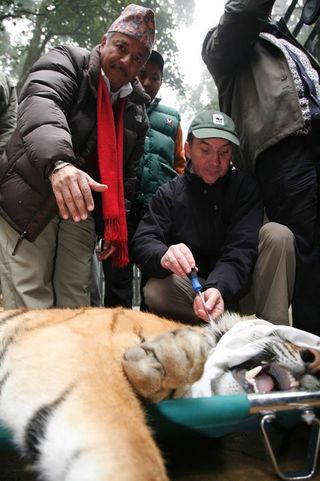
[(52, 271), (271, 293)]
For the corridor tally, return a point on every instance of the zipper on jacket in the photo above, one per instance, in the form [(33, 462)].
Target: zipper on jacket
[(20, 239)]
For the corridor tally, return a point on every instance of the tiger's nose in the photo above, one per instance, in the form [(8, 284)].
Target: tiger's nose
[(312, 358), (307, 356)]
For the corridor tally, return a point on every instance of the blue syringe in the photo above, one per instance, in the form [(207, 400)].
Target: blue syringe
[(197, 288)]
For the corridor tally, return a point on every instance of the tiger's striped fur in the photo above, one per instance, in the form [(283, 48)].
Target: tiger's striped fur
[(65, 393), (65, 398)]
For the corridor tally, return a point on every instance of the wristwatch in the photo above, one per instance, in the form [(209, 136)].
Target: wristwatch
[(59, 164)]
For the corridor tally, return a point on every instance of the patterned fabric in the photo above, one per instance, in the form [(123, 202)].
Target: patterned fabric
[(137, 22), (289, 50)]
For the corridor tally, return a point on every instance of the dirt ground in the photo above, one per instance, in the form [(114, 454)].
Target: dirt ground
[(233, 457)]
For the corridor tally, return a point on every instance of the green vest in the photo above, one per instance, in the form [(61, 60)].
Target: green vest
[(156, 166)]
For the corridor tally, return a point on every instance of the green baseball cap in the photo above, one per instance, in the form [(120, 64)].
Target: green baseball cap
[(213, 124)]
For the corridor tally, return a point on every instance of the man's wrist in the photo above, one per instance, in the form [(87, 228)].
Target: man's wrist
[(59, 164)]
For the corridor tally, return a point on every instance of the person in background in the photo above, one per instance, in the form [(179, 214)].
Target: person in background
[(8, 110), (164, 155), (210, 219), (269, 84), (8, 113), (81, 128), (163, 159)]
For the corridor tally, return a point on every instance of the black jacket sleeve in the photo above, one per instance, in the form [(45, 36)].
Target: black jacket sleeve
[(225, 248), (44, 105), (227, 46), (232, 272)]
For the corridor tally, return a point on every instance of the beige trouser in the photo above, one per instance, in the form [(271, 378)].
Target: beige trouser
[(271, 293), (52, 271)]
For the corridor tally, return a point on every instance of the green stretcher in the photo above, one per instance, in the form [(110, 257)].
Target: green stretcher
[(219, 415)]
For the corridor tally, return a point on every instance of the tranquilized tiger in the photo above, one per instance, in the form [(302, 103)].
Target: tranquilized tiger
[(65, 392)]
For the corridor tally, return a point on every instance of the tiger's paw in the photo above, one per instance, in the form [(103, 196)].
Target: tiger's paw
[(164, 367)]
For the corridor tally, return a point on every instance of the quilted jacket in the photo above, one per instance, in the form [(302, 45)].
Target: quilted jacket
[(57, 121)]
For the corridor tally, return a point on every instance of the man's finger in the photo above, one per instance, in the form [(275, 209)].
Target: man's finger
[(176, 259), (76, 203), (63, 211), (86, 195), (96, 186), (107, 250)]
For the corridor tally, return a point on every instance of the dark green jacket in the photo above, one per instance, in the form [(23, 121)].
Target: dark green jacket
[(157, 165)]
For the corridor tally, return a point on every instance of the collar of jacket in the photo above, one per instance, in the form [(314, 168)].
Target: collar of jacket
[(153, 104), (198, 186), (137, 96)]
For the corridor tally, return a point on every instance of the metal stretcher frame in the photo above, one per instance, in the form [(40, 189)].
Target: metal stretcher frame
[(218, 415)]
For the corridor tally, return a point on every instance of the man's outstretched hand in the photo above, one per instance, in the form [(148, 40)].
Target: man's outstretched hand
[(72, 189)]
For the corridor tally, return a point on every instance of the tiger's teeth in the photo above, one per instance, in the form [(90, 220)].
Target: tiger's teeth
[(253, 383), (293, 381), (253, 373)]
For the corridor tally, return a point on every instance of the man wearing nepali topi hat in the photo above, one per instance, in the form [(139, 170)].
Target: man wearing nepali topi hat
[(73, 157)]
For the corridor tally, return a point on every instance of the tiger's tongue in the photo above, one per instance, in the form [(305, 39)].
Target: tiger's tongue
[(264, 383)]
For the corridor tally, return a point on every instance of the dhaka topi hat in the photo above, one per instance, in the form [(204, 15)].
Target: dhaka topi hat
[(213, 124), (138, 22)]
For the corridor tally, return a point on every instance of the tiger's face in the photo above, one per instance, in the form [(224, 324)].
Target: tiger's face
[(69, 380), (233, 356), (254, 356), (279, 366)]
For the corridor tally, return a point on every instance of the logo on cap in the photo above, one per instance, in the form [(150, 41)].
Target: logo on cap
[(218, 119)]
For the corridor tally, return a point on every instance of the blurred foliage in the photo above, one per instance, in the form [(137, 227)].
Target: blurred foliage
[(201, 96), (34, 26), (28, 28)]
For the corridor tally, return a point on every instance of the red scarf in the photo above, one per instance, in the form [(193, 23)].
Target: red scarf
[(110, 162)]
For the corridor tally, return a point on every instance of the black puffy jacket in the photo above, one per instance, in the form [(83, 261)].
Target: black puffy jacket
[(219, 223), (57, 121)]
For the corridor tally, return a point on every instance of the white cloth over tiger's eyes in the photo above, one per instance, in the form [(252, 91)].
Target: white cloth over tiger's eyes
[(243, 341)]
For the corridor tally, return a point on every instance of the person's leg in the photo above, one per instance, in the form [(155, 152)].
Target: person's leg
[(289, 182), (274, 273), (75, 247), (171, 297), (118, 285), (26, 278)]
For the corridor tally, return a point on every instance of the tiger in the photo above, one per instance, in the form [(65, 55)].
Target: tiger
[(73, 385)]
